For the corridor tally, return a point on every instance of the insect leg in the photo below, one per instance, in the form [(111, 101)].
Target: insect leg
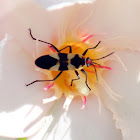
[(86, 78), (97, 64), (45, 80), (95, 72), (91, 48), (70, 51), (75, 79), (43, 41)]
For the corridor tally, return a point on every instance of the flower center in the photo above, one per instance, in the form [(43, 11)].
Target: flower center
[(81, 81), (79, 86)]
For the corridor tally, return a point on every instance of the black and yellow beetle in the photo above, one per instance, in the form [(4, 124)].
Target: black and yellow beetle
[(66, 61)]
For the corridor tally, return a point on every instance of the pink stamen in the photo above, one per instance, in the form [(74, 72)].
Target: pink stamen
[(109, 68), (85, 35), (52, 48), (84, 102), (48, 86), (88, 37)]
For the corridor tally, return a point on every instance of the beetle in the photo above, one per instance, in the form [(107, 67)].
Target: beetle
[(66, 61)]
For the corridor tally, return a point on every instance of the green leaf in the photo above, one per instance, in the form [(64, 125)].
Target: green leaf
[(22, 138)]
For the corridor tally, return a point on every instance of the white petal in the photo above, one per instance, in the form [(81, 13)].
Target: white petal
[(55, 4), (79, 124), (138, 78), (103, 20), (21, 108), (126, 110), (16, 21), (119, 20), (2, 138)]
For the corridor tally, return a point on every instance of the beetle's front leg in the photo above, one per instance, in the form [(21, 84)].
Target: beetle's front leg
[(86, 78), (91, 48)]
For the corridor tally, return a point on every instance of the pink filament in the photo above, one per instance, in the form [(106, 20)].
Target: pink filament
[(49, 86), (85, 35), (87, 38), (52, 48), (107, 67), (84, 102), (103, 67)]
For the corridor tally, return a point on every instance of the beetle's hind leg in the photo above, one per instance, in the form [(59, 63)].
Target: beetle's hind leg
[(43, 41), (44, 80), (86, 78), (75, 79)]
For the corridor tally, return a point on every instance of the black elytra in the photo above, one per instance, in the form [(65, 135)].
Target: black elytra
[(43, 62), (66, 61)]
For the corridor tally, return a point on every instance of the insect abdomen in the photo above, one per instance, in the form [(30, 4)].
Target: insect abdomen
[(46, 62)]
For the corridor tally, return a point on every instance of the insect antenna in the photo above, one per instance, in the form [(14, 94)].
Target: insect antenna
[(103, 57), (94, 63)]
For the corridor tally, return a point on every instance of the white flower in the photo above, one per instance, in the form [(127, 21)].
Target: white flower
[(22, 113)]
